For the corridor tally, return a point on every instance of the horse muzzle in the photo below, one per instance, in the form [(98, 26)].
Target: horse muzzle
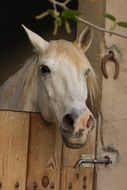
[(76, 127)]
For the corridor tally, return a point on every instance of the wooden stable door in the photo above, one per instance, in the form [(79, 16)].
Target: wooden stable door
[(33, 157)]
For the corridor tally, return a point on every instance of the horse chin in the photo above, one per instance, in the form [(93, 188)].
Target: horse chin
[(73, 145)]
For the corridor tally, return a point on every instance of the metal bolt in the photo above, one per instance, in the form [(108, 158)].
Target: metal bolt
[(17, 185), (70, 186), (78, 163), (52, 185)]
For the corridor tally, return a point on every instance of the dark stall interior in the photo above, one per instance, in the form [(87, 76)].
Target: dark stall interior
[(14, 44)]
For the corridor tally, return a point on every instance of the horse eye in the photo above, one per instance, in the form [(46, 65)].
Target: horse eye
[(44, 69)]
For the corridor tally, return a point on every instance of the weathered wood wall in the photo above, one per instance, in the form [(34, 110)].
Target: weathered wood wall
[(14, 133), (33, 156)]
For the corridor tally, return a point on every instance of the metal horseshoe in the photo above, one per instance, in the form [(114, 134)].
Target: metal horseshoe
[(110, 57)]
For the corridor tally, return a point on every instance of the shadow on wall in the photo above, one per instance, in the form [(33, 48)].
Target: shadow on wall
[(14, 44)]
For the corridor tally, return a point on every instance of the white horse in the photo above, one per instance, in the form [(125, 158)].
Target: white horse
[(55, 82)]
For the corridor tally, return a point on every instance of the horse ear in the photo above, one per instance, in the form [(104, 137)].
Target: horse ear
[(38, 42), (85, 38)]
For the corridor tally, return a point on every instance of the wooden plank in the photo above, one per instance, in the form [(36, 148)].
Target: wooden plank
[(44, 161), (79, 178), (14, 130)]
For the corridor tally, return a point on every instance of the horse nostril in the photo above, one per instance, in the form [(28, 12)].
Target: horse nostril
[(79, 133), (69, 119), (67, 122), (90, 123)]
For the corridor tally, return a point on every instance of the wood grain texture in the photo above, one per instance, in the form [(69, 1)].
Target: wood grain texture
[(14, 130), (44, 160), (75, 177)]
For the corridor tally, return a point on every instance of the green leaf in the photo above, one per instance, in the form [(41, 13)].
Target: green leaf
[(69, 14), (110, 17), (122, 24)]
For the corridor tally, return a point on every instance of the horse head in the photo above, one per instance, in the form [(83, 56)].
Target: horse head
[(65, 77)]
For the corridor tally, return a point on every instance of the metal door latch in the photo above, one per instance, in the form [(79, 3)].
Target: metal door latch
[(90, 161)]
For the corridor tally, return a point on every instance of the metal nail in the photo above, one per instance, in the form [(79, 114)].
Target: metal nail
[(17, 185), (70, 186), (35, 185), (84, 185), (52, 185)]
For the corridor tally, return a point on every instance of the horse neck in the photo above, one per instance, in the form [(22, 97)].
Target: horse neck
[(18, 92)]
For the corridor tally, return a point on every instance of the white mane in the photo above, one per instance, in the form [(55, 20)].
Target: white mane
[(16, 93)]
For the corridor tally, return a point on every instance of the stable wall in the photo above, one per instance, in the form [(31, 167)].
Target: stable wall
[(114, 104)]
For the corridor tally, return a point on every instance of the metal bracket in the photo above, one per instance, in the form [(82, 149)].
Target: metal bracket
[(89, 161)]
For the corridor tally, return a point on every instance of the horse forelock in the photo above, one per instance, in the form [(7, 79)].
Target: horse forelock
[(66, 50)]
